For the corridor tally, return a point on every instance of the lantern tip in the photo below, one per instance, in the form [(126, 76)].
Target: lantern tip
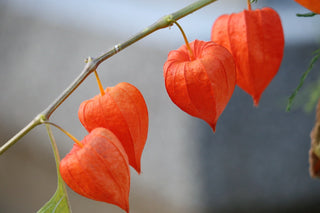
[(213, 127), (126, 208), (256, 100), (138, 169)]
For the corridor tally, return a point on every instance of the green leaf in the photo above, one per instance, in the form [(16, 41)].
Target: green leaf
[(313, 97), (311, 14), (303, 77), (59, 201), (308, 97)]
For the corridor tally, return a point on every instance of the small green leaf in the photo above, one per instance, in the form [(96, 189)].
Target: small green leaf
[(308, 97), (59, 201), (303, 77), (311, 14), (313, 97)]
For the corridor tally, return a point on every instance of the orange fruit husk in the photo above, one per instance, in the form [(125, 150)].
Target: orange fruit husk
[(202, 86), (99, 170), (255, 39), (123, 110)]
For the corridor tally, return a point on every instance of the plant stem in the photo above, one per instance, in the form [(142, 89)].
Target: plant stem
[(93, 63), (35, 122), (191, 56), (65, 132), (99, 83), (249, 4)]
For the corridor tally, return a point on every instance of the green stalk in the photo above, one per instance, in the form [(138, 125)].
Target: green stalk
[(59, 202)]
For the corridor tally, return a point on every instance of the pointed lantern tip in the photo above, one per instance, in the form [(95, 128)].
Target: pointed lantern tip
[(213, 127), (256, 100)]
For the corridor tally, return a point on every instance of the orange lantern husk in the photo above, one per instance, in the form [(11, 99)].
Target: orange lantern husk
[(201, 86), (255, 39), (313, 5), (99, 170), (121, 109)]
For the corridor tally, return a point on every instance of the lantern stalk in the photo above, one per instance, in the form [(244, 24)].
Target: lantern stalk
[(99, 83), (97, 77), (64, 131), (249, 4), (191, 55)]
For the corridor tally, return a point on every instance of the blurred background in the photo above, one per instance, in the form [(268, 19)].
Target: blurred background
[(257, 161)]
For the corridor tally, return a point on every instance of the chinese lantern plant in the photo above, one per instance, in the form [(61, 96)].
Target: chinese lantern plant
[(123, 110), (246, 49), (200, 79), (98, 168), (255, 39), (132, 120)]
